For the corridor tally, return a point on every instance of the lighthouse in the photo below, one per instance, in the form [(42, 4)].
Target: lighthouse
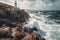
[(15, 8), (15, 4)]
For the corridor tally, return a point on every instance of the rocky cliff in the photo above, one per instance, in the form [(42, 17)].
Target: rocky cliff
[(12, 17), (11, 24)]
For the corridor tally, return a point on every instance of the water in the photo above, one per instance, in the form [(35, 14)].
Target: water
[(47, 27)]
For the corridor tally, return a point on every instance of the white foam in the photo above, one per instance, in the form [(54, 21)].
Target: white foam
[(39, 23)]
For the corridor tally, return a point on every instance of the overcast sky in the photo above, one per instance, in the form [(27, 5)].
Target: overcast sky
[(36, 4)]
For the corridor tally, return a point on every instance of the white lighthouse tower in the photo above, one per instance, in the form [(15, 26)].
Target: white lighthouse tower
[(16, 7), (15, 4)]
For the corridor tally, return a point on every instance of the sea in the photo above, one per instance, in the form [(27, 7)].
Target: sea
[(47, 23)]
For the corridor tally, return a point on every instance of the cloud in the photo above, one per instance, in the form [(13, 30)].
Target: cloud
[(36, 4), (42, 4), (47, 5), (49, 1)]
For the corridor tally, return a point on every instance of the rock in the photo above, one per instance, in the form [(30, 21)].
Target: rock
[(18, 17), (33, 36), (13, 20)]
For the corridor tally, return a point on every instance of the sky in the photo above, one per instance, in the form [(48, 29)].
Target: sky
[(36, 4)]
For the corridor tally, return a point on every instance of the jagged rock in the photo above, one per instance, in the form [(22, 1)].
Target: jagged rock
[(18, 17), (11, 19), (20, 34), (33, 36)]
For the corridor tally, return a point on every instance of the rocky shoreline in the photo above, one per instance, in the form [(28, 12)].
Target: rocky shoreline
[(11, 24)]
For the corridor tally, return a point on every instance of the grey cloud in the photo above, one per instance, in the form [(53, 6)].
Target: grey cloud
[(38, 4), (49, 1), (30, 0)]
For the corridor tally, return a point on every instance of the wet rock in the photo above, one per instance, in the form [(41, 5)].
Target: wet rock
[(33, 36), (11, 16), (14, 21)]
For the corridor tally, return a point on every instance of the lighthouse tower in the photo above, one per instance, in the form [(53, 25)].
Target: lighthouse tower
[(15, 4), (15, 8)]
